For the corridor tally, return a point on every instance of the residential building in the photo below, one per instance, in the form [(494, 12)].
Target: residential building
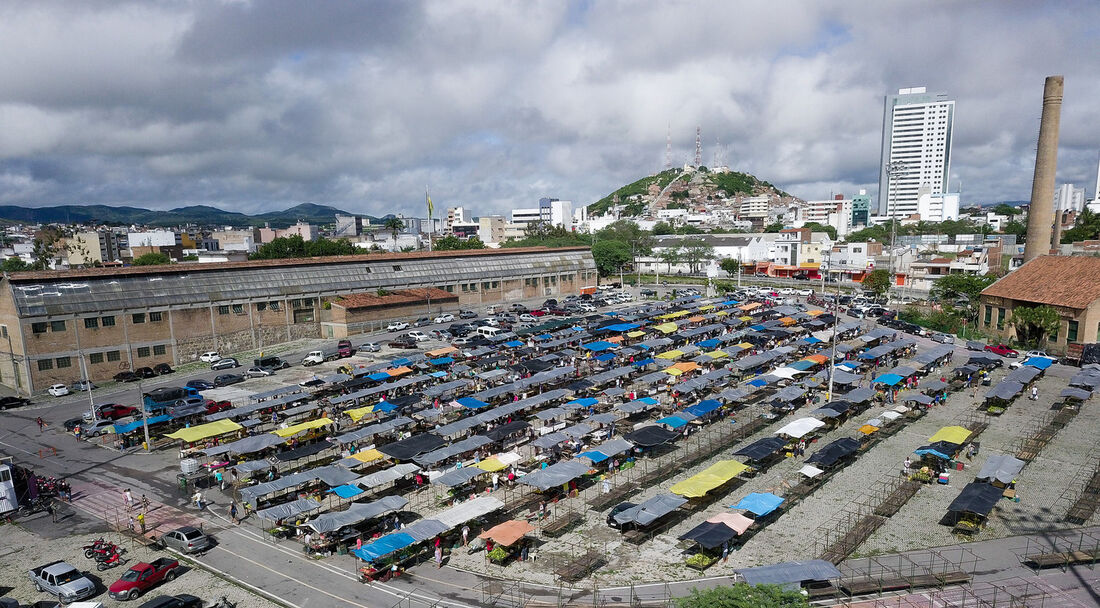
[(861, 210), (1061, 282), (754, 208), (1068, 198), (124, 318), (308, 232), (235, 240), (556, 212), (916, 131), (84, 249), (348, 226), (456, 215), (153, 238), (491, 229), (938, 207), (526, 215)]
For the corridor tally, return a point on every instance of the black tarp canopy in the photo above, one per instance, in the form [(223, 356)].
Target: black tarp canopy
[(833, 452), (651, 510), (790, 574), (710, 535), (762, 448), (977, 498), (505, 430), (303, 451), (649, 436), (406, 449)]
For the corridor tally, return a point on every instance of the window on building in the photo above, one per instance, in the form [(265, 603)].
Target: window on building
[(1000, 318), (160, 350), (57, 326), (138, 318), (91, 323), (988, 315), (449, 288), (156, 317), (486, 285), (143, 351), (1071, 333), (238, 309), (108, 321), (114, 355), (95, 358), (303, 316), (223, 310), (63, 362), (261, 306), (397, 268), (45, 364), (273, 306)]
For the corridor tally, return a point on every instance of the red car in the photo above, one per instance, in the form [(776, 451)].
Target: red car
[(1002, 350), (142, 577), (113, 411), (217, 406), (537, 312), (558, 312)]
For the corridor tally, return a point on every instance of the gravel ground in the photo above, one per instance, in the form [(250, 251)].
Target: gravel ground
[(22, 550)]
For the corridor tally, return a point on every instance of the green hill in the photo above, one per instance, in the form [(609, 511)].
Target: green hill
[(636, 198), (202, 215)]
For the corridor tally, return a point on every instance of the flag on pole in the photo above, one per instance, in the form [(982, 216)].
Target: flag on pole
[(431, 208)]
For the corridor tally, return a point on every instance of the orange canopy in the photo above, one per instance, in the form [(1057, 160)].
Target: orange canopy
[(685, 366), (750, 306), (508, 532), (787, 321), (614, 339), (400, 371), (819, 359), (696, 319)]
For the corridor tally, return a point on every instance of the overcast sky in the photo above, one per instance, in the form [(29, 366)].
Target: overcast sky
[(254, 106)]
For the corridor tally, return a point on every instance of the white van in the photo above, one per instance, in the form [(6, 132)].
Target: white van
[(493, 309), (489, 332)]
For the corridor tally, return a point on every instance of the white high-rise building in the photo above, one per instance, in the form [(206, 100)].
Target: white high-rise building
[(1068, 198), (916, 131)]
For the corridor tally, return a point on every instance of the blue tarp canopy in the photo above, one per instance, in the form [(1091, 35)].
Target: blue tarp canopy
[(136, 424), (347, 491), (593, 455), (471, 403), (513, 344), (584, 402), (643, 362), (622, 327), (673, 421), (811, 340), (442, 361), (605, 357), (543, 337), (598, 345), (384, 546), (385, 407), (759, 503), (944, 450), (437, 374), (703, 407), (401, 361), (758, 382), (1039, 362), (757, 327), (802, 365), (712, 343), (888, 379), (849, 365), (379, 376)]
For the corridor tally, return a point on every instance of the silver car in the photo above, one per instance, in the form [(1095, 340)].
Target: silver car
[(943, 338), (187, 539)]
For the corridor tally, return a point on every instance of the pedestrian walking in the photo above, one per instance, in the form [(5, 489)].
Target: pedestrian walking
[(51, 511), (144, 502), (465, 536), (131, 524), (496, 480), (197, 499), (128, 498), (233, 512), (1034, 393), (141, 522), (41, 423), (438, 553), (725, 551)]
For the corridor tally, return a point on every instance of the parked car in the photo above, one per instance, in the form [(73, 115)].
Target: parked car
[(187, 539), (461, 341), (188, 403), (71, 424), (403, 342), (369, 347), (619, 509), (397, 326), (97, 428), (550, 303), (173, 601), (112, 411), (226, 363), (11, 401), (417, 335), (648, 293), (444, 318), (163, 368), (975, 345), (213, 407), (200, 384), (517, 307), (1037, 353), (440, 334), (943, 338), (145, 372), (143, 577), (422, 322), (805, 292), (62, 580), (460, 329), (209, 357), (227, 379), (1002, 350), (58, 390), (259, 372), (82, 385), (467, 314)]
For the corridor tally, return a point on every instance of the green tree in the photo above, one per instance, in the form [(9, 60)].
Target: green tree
[(950, 287), (394, 225), (627, 232), (818, 227), (695, 253), (1017, 228), (877, 281), (453, 243), (870, 233), (730, 265), (663, 228), (1006, 209), (14, 265), (154, 258), (610, 256), (295, 246), (743, 595), (1087, 227), (670, 256), (44, 251), (774, 227), (1033, 323)]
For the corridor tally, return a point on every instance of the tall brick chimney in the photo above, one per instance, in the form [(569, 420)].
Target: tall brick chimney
[(1040, 216)]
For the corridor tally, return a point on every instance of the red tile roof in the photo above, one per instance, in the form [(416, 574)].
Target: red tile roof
[(1072, 281), (394, 298)]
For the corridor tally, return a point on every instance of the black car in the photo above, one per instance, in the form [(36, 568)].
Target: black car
[(648, 292), (10, 402), (619, 509), (71, 424), (173, 601), (200, 384), (163, 368), (459, 329), (550, 303), (404, 342), (145, 372), (226, 363), (227, 379), (126, 377)]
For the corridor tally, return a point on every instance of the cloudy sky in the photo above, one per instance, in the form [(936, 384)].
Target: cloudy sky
[(254, 106)]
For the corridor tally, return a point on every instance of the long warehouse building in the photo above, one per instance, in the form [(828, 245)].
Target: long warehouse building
[(118, 319)]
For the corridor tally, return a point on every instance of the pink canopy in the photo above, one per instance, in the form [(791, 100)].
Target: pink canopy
[(735, 521)]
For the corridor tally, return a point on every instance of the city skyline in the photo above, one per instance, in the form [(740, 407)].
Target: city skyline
[(258, 107)]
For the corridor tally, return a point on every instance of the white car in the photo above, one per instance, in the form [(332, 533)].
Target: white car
[(490, 321), (1037, 353), (209, 357), (397, 326), (587, 307), (805, 292), (527, 318), (259, 372), (786, 291), (444, 318), (419, 336), (58, 390)]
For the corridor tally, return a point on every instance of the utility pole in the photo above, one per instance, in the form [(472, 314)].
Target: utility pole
[(836, 322), (894, 170), (84, 373), (144, 415)]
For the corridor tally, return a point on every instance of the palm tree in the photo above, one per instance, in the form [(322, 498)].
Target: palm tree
[(394, 225)]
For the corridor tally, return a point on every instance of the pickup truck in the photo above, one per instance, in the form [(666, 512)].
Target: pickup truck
[(142, 577), (314, 357), (64, 581)]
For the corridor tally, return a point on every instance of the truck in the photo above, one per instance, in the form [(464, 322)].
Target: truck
[(316, 357), (272, 362), (143, 577), (60, 579), (344, 349)]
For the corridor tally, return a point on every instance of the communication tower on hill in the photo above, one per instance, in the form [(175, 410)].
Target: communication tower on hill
[(668, 147), (698, 146)]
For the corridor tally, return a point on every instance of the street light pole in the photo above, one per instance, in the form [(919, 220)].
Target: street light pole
[(88, 381), (144, 415), (894, 170)]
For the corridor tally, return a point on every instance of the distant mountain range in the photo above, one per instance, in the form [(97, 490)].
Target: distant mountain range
[(202, 215)]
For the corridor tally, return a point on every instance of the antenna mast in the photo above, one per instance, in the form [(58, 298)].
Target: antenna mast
[(698, 146), (668, 147)]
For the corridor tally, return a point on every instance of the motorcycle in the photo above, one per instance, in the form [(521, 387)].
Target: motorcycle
[(89, 550), (224, 603), (111, 560), (102, 552)]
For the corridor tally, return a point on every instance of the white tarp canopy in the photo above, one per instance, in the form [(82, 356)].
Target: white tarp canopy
[(800, 427), (471, 509)]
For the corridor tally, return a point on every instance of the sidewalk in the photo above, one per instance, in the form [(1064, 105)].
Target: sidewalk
[(107, 504)]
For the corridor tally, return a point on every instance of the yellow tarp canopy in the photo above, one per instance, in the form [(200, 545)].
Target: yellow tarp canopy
[(722, 313), (290, 431), (635, 334), (712, 477), (439, 352), (717, 354), (746, 345), (682, 368), (674, 315), (671, 354), (665, 328), (744, 318), (491, 464), (202, 431), (953, 434), (867, 429), (400, 371), (368, 455), (359, 412), (706, 308)]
